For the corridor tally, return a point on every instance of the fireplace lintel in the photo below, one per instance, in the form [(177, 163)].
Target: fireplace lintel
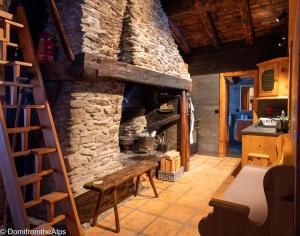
[(131, 73), (87, 66)]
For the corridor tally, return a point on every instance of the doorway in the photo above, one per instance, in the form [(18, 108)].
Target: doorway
[(237, 92)]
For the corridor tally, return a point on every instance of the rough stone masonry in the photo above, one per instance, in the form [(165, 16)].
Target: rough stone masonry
[(87, 115)]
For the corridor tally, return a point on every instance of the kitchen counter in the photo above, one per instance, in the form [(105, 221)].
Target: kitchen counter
[(262, 131)]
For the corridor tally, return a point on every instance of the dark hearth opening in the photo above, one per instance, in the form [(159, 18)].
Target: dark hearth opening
[(149, 119)]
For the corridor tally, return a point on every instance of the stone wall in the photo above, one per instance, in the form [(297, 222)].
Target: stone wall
[(147, 40), (133, 127), (205, 97), (134, 31), (87, 117), (93, 26)]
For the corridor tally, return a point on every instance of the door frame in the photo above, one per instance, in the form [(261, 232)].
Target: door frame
[(224, 95)]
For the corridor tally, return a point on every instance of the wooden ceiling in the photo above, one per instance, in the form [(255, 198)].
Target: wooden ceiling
[(205, 23)]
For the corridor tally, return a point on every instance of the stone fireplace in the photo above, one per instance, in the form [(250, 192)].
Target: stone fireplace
[(88, 111)]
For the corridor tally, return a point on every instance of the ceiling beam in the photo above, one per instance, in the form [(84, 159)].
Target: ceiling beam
[(247, 21), (210, 28), (179, 38)]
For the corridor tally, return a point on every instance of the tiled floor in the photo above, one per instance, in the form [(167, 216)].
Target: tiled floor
[(180, 205)]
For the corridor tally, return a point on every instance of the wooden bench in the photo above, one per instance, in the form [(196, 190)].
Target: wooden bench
[(114, 180), (259, 202)]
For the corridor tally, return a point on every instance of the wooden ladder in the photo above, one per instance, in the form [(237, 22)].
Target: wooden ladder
[(16, 185)]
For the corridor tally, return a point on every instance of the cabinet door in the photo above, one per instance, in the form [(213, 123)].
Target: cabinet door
[(268, 80), (261, 145)]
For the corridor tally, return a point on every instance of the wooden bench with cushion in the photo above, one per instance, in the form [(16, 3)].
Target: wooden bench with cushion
[(116, 179), (259, 202)]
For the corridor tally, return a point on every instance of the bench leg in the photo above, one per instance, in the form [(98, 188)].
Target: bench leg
[(138, 178), (115, 200), (152, 182), (98, 205)]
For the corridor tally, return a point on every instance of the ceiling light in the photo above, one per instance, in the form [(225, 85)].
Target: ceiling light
[(282, 16)]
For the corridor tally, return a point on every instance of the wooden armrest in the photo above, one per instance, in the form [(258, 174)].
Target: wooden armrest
[(231, 206)]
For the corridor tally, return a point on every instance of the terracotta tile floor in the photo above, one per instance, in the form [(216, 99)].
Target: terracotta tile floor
[(180, 206)]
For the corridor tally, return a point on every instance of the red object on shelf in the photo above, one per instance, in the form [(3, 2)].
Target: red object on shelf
[(46, 48), (269, 111)]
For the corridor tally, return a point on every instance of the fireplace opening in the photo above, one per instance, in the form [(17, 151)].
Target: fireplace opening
[(149, 120)]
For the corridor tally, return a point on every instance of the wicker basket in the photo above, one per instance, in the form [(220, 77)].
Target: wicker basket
[(170, 176)]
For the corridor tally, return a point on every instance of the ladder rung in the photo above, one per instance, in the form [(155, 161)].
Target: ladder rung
[(21, 63), (43, 227), (33, 178), (13, 23), (24, 106), (7, 83), (29, 179), (6, 15), (37, 202), (10, 44), (54, 197), (32, 203), (23, 129), (57, 219), (49, 226), (46, 172), (39, 151), (14, 45)]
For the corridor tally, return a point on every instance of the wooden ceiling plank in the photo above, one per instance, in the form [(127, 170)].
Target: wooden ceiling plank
[(247, 21), (179, 38), (210, 28)]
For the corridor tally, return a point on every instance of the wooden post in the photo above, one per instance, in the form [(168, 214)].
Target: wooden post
[(61, 31), (184, 140), (188, 145)]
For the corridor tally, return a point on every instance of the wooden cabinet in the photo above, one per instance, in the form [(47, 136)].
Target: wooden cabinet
[(261, 150), (274, 78)]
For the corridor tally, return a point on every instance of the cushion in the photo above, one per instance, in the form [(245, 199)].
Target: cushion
[(247, 189)]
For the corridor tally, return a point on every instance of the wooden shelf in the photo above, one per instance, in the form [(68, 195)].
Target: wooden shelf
[(272, 98)]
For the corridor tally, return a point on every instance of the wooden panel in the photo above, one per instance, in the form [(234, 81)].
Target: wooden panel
[(284, 84), (280, 66), (294, 45), (270, 146)]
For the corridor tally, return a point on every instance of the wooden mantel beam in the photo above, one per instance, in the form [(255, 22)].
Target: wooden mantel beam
[(210, 28), (178, 36), (247, 21), (95, 68)]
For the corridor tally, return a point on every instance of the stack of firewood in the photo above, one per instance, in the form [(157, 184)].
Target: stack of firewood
[(170, 162)]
